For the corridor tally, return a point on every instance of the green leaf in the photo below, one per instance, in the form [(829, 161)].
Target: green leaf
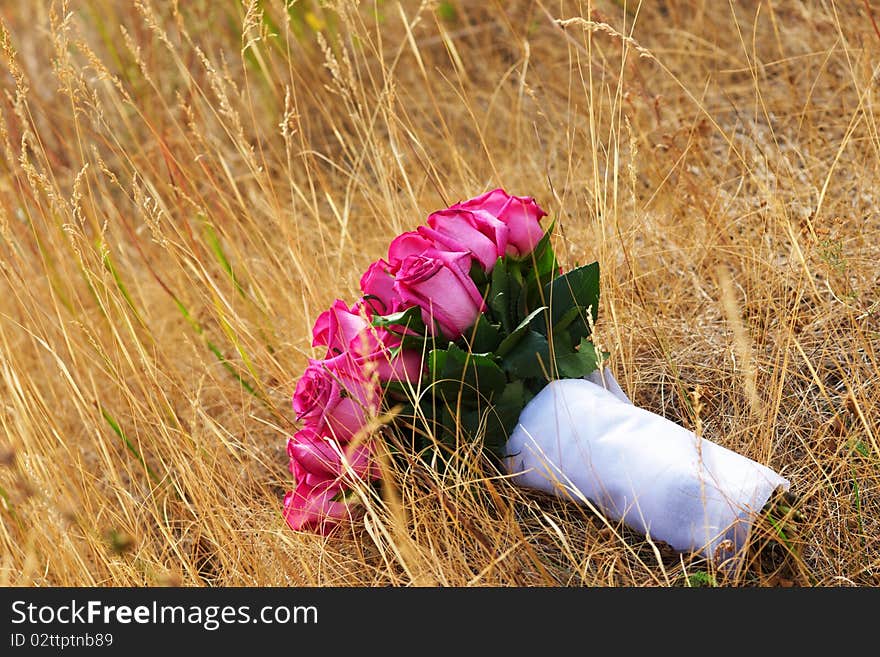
[(576, 288), (476, 377), (498, 298), (516, 280), (530, 358), (511, 340), (467, 422), (506, 287), (408, 325), (437, 363), (569, 296), (417, 343), (399, 391), (539, 267), (542, 258), (494, 423), (399, 322), (478, 274), (503, 416), (484, 336), (577, 364)]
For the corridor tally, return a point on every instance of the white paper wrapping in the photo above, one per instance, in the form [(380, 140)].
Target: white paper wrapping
[(606, 380), (577, 439)]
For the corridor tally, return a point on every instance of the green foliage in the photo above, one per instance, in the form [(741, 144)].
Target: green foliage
[(409, 327), (701, 579), (570, 298), (447, 11), (530, 359), (536, 328), (572, 364)]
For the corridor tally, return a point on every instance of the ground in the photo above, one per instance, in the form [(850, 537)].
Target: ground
[(185, 186)]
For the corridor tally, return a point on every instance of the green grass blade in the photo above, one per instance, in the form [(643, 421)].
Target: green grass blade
[(131, 448)]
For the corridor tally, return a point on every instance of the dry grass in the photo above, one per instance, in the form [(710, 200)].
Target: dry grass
[(186, 185)]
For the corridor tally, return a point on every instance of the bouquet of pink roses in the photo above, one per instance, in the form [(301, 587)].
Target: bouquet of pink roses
[(459, 316), (471, 331)]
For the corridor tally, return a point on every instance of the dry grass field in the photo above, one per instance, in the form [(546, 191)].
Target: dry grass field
[(184, 186)]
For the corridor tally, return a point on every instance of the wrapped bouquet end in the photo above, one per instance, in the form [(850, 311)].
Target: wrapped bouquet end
[(471, 331), (580, 440)]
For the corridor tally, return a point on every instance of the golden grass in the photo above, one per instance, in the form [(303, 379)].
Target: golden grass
[(185, 185)]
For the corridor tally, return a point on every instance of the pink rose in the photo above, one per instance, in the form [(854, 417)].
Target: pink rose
[(313, 509), (348, 330), (338, 328), (405, 245), (405, 366), (367, 349), (331, 395), (520, 213), (313, 505), (439, 283), (316, 502), (476, 232), (377, 283), (317, 453)]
